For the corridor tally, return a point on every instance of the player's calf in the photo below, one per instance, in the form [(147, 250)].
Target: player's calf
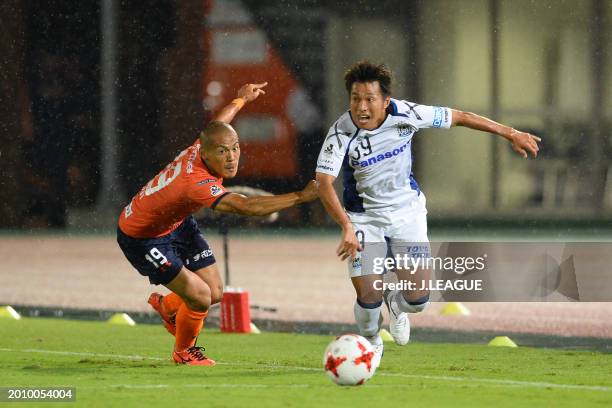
[(369, 320), (368, 317)]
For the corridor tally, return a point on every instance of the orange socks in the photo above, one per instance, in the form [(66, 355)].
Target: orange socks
[(188, 322), (188, 326), (171, 303)]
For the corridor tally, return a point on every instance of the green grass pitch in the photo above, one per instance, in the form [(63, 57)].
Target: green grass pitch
[(130, 366)]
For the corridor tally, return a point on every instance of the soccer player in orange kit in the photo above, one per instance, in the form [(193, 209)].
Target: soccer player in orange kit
[(161, 239)]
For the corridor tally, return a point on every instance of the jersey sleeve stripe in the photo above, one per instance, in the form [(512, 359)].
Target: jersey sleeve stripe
[(219, 199)]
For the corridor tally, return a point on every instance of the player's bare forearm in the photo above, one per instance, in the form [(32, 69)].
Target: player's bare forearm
[(349, 245), (477, 122), (228, 112), (522, 142), (330, 200), (269, 205), (246, 93), (265, 205)]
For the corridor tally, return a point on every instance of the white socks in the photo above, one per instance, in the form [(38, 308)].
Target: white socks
[(367, 316), (409, 307)]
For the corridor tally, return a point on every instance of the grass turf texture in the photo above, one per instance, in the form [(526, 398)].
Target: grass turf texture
[(130, 366)]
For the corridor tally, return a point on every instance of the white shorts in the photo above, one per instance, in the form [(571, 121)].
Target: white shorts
[(387, 234)]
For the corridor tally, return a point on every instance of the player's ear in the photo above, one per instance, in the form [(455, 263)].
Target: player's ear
[(387, 101)]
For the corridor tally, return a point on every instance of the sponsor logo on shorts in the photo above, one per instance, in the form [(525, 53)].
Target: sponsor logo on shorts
[(204, 254), (418, 250), (356, 264), (215, 190)]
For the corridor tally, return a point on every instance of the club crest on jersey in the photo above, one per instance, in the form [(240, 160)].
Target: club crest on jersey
[(329, 149), (215, 190), (405, 129)]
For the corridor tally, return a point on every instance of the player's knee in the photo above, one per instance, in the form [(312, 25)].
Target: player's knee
[(369, 295), (198, 305), (199, 300), (216, 294)]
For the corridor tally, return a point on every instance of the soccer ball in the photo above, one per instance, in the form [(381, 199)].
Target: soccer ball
[(348, 360)]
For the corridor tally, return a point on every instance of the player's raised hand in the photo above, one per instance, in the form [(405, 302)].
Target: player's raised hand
[(349, 244), (523, 142), (311, 191), (250, 92)]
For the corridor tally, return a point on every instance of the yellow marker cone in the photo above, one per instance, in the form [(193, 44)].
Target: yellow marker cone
[(502, 341), (385, 335), (254, 329), (9, 312), (455, 309), (121, 319)]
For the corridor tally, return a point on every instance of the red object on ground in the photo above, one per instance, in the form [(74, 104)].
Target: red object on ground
[(235, 313)]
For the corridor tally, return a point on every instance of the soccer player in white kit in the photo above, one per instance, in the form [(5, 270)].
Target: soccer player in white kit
[(384, 208)]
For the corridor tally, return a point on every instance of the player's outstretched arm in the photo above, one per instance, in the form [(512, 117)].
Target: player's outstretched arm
[(522, 142), (349, 244), (246, 93), (264, 205)]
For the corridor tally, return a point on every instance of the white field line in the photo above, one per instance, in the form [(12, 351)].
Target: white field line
[(493, 381), (224, 385)]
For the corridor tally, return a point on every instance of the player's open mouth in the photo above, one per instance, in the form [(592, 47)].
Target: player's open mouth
[(363, 118)]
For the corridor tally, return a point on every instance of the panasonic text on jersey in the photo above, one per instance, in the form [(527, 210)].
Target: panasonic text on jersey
[(380, 157)]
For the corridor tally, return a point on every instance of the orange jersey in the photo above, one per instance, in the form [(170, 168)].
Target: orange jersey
[(179, 190)]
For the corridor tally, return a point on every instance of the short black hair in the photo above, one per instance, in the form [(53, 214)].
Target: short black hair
[(366, 71)]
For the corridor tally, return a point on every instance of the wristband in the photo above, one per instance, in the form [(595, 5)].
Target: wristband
[(240, 102)]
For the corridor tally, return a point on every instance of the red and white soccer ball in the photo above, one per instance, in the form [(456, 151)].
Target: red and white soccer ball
[(348, 360)]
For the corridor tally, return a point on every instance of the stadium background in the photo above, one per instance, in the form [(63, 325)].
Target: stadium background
[(97, 96)]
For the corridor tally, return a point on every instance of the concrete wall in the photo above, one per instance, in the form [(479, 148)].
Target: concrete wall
[(353, 39), (545, 77)]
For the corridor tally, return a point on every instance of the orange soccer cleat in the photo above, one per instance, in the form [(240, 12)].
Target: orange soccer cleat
[(192, 356), (155, 300)]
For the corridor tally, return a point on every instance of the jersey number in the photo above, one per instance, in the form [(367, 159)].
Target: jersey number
[(166, 177), (364, 148)]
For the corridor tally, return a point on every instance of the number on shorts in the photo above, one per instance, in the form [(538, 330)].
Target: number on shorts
[(156, 257), (361, 238)]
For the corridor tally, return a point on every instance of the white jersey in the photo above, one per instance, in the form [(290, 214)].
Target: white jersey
[(377, 164)]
